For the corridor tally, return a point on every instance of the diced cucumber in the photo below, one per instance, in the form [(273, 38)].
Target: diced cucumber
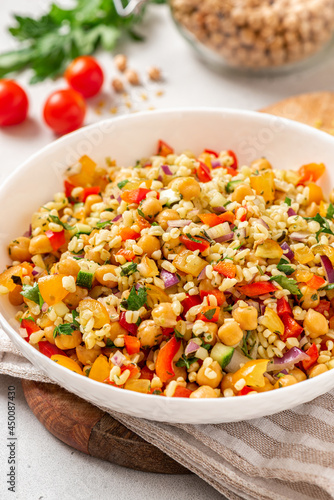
[(169, 196), (82, 228), (85, 279), (222, 354), (230, 186)]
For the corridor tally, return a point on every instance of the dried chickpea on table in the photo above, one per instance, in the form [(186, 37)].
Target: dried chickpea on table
[(181, 276)]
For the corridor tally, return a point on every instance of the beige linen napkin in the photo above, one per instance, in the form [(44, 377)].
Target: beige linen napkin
[(289, 455)]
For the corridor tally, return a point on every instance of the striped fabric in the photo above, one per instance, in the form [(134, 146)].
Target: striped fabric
[(289, 455)]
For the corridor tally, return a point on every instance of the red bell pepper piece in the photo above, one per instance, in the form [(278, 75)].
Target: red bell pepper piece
[(189, 302), (31, 327), (164, 149), (203, 172), (132, 368), (227, 217), (167, 332), (235, 159), (146, 373), (211, 152), (283, 307), (226, 267), (164, 363), (231, 171), (126, 233), (314, 355), (323, 306), (316, 282), (68, 187), (291, 327), (127, 254), (130, 327), (210, 219), (181, 392), (200, 244), (258, 288), (48, 349), (245, 390), (135, 195), (217, 293), (57, 240), (209, 314), (132, 344), (88, 191)]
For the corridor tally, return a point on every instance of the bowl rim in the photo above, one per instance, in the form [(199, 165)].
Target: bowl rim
[(226, 403)]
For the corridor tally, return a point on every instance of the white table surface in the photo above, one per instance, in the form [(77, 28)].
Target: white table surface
[(47, 468)]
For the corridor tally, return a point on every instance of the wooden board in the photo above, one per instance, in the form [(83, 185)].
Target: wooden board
[(88, 429)]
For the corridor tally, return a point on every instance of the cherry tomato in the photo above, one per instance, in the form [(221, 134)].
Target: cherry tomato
[(85, 75), (13, 103), (64, 111)]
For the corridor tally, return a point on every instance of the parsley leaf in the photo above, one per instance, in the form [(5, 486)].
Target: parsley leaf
[(32, 293), (177, 334), (324, 225), (287, 283), (284, 267), (109, 343), (136, 299), (186, 361), (121, 184), (141, 213), (330, 212), (288, 201), (65, 329), (228, 308), (245, 348), (194, 239), (128, 269), (210, 314), (56, 220), (101, 225)]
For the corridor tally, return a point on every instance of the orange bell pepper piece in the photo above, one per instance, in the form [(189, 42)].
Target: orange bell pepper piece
[(100, 369), (315, 194), (164, 149), (164, 363), (258, 288), (217, 293), (132, 369), (210, 219), (127, 254), (126, 233), (227, 217), (316, 282), (132, 344), (51, 288), (252, 372), (6, 276), (86, 175), (209, 314), (135, 195), (67, 362), (181, 392), (226, 267), (311, 172)]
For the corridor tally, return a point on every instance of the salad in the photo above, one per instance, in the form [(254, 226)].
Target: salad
[(182, 276)]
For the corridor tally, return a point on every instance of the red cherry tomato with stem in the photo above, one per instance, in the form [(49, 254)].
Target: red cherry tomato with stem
[(85, 75), (14, 103), (64, 111)]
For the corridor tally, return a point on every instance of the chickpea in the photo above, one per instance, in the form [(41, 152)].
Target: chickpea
[(227, 383), (192, 386), (241, 192), (211, 376), (93, 254), (166, 215), (285, 381), (121, 62), (103, 271), (115, 330), (179, 371), (149, 244), (150, 207), (40, 244), (188, 187), (171, 246), (87, 356), (298, 374), (91, 200), (68, 266), (261, 164), (312, 210), (48, 334), (204, 391), (310, 298), (210, 337), (163, 315), (230, 332), (149, 333), (315, 323), (246, 317), (19, 249), (317, 370), (65, 342), (72, 299), (15, 297)]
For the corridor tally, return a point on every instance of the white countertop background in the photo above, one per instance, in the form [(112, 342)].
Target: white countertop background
[(47, 468)]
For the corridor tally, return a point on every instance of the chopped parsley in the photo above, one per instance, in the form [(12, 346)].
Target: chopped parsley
[(330, 286), (288, 201), (136, 299), (193, 239), (156, 392), (101, 225), (284, 267), (330, 212), (141, 213), (210, 314), (228, 308), (30, 318), (324, 225), (245, 348), (128, 269), (121, 184), (260, 270), (67, 328), (287, 283), (56, 220), (109, 343), (177, 334), (32, 293), (186, 361)]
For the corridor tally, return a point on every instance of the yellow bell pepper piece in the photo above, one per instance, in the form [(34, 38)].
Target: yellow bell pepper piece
[(100, 369), (264, 185), (304, 255), (67, 363), (136, 385), (252, 372), (87, 173), (315, 194), (51, 288)]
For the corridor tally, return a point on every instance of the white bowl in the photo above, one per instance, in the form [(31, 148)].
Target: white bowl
[(285, 143)]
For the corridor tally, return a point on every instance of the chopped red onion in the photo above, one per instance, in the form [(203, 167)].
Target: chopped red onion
[(287, 252), (215, 164), (117, 218), (37, 270), (202, 274), (290, 358), (118, 295), (303, 341), (299, 235), (291, 212), (225, 237), (262, 309), (253, 303), (118, 359), (194, 212), (219, 210), (191, 348), (234, 292), (23, 333), (328, 268), (112, 197), (169, 279), (45, 307), (179, 223), (261, 221), (166, 170), (159, 178), (119, 199)]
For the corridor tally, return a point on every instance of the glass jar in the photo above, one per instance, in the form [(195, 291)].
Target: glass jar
[(256, 35)]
